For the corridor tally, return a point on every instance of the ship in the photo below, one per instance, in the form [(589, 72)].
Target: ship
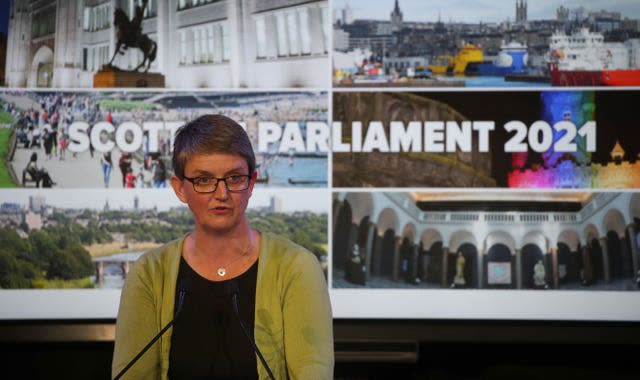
[(457, 65), (511, 59), (583, 58)]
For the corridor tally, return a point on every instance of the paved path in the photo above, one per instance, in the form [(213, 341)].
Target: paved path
[(81, 171)]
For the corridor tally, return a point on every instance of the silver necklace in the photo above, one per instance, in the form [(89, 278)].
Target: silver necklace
[(222, 271)]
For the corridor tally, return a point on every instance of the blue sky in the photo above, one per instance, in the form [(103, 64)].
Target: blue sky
[(479, 10)]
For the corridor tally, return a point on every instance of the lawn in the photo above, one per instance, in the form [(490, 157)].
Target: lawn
[(5, 178)]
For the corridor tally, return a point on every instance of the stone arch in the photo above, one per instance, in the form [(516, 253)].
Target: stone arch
[(361, 205), (431, 240), (469, 252), (387, 254), (618, 255), (531, 254), (613, 220), (590, 233), (634, 206), (568, 257), (409, 231), (459, 238), (537, 238), (500, 237), (499, 264), (41, 74), (429, 237), (570, 238), (388, 225), (388, 219), (342, 235)]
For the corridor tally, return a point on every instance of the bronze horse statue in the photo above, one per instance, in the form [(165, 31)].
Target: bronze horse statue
[(129, 35)]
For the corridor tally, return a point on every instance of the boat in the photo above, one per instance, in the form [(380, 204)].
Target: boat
[(583, 58), (511, 60), (456, 65), (441, 64), (468, 53)]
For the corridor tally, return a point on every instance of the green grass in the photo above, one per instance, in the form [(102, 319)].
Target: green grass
[(6, 118), (5, 134), (123, 105), (82, 283)]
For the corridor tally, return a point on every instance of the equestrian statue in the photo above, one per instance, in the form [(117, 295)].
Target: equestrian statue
[(129, 35)]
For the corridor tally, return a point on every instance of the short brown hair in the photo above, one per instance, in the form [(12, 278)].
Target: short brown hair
[(211, 134)]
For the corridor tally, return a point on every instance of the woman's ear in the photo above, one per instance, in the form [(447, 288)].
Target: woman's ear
[(178, 188)]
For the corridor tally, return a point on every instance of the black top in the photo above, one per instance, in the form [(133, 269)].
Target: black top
[(207, 341)]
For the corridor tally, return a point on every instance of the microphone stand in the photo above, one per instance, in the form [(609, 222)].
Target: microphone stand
[(234, 300), (181, 296)]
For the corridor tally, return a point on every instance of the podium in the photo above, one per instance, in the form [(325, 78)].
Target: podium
[(109, 77)]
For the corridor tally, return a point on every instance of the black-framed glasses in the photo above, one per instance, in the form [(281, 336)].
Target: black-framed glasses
[(233, 183)]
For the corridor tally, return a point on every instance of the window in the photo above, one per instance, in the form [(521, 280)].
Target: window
[(293, 33), (183, 47), (96, 18), (226, 52), (305, 37), (204, 44), (261, 43), (283, 48), (325, 27)]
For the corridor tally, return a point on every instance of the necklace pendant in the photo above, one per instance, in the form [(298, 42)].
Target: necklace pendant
[(222, 272)]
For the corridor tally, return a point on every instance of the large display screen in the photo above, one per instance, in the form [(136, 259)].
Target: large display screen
[(472, 160)]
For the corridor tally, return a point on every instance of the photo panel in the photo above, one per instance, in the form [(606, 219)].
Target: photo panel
[(483, 43), (167, 44), (61, 246), (487, 253), (524, 139), (123, 138)]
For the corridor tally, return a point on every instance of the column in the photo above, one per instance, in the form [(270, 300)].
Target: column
[(67, 52), (518, 254), (18, 45), (396, 258), (554, 268), (480, 269), (605, 260), (368, 249), (99, 272), (445, 266), (631, 233)]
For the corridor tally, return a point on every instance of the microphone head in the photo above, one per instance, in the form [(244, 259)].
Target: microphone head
[(233, 289)]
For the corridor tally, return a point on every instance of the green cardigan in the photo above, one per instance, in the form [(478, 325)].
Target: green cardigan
[(293, 322)]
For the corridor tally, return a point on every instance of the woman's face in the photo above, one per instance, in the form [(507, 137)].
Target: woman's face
[(221, 210)]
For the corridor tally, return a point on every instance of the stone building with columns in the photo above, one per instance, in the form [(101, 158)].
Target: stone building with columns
[(201, 43), (591, 245)]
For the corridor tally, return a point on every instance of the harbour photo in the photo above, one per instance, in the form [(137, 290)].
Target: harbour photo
[(506, 43)]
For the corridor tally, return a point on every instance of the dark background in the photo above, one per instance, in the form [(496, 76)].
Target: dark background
[(371, 349), (614, 115)]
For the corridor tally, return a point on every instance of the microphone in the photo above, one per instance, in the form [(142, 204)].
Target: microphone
[(181, 297), (234, 290)]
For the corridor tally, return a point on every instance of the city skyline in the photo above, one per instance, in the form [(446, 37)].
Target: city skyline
[(291, 200), (482, 10)]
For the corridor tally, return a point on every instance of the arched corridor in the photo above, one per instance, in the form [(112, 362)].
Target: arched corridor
[(402, 246)]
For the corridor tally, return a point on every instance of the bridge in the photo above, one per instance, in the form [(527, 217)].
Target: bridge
[(120, 260)]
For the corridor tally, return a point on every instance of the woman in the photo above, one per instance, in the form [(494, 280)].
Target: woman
[(222, 277), (38, 174)]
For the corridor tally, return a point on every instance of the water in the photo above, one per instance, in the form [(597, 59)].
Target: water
[(302, 171), (113, 276), (488, 81), (500, 82)]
